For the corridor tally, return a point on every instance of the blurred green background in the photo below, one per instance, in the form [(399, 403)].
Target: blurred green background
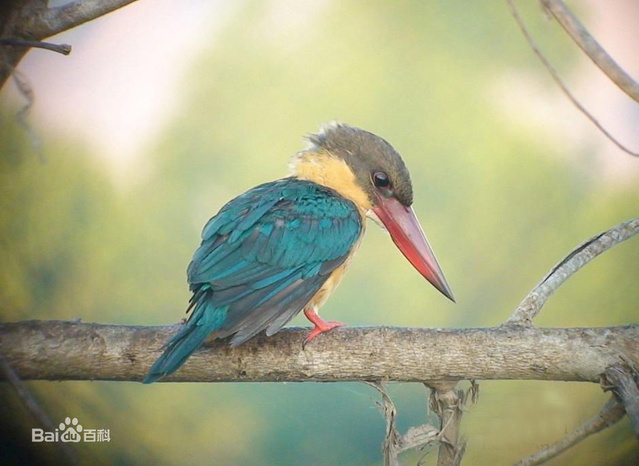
[(500, 201)]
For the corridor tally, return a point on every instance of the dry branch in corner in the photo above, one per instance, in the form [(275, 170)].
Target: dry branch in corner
[(610, 414), (25, 23), (68, 454), (555, 76), (591, 47)]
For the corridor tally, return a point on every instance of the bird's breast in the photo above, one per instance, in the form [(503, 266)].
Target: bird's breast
[(335, 278)]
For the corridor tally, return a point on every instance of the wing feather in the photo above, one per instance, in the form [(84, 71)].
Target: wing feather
[(268, 252)]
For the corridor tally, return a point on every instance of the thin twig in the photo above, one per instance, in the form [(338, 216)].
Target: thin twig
[(394, 442), (447, 403), (64, 49), (391, 437), (34, 408), (621, 379), (611, 413), (25, 89), (561, 84), (580, 256), (591, 47)]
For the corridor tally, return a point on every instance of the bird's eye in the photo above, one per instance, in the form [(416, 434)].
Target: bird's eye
[(381, 180)]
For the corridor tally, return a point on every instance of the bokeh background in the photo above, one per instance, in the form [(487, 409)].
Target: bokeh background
[(165, 110)]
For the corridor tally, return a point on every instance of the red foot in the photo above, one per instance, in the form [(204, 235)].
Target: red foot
[(321, 325)]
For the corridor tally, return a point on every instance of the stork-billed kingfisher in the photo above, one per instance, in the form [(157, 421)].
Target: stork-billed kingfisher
[(283, 247)]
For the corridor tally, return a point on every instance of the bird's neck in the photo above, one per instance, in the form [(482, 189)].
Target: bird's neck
[(331, 171)]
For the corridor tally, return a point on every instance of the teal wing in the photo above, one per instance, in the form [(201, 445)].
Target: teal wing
[(262, 258), (267, 252)]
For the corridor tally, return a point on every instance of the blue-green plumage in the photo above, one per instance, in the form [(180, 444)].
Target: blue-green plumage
[(262, 258)]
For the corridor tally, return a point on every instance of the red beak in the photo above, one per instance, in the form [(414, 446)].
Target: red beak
[(407, 234)]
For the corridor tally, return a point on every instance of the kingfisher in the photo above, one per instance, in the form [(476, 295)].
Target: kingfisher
[(283, 246)]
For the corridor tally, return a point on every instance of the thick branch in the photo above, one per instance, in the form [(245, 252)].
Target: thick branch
[(58, 350), (31, 21), (72, 14), (591, 47), (611, 413), (580, 256)]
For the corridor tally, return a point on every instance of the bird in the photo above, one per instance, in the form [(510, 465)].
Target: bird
[(282, 247)]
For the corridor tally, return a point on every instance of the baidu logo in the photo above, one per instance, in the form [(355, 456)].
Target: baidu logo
[(71, 431)]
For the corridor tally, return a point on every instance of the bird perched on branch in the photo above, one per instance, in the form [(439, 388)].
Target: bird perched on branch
[(283, 247)]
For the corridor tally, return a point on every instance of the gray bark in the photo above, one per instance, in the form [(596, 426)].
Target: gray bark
[(32, 20), (623, 380), (591, 47), (60, 350), (578, 258)]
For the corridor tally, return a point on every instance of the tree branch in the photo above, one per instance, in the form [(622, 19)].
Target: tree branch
[(24, 88), (622, 379), (31, 21), (64, 49), (68, 454), (591, 47), (555, 76), (584, 253), (611, 413), (395, 443), (60, 350), (72, 14), (447, 403)]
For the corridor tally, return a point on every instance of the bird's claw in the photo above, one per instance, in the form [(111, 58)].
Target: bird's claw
[(324, 327)]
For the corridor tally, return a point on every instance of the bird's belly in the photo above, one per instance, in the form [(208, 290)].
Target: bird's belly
[(333, 280)]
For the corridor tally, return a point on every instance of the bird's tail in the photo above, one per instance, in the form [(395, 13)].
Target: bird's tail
[(205, 319)]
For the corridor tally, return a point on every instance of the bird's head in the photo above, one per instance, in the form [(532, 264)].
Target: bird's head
[(367, 170)]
